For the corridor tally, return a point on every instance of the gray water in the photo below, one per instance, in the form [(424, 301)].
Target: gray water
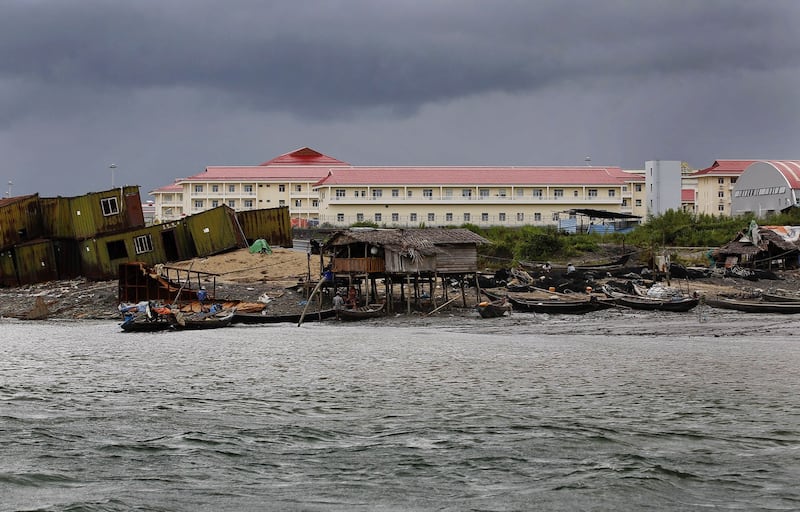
[(448, 416)]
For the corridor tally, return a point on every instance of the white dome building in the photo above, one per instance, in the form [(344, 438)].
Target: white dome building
[(767, 187)]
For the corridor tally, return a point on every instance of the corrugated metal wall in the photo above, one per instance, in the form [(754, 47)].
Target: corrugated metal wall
[(215, 231), (20, 221), (8, 269), (272, 224), (36, 262)]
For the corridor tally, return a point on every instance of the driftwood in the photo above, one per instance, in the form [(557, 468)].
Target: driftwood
[(40, 310)]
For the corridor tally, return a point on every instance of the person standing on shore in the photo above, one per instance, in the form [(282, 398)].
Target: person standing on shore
[(338, 303)]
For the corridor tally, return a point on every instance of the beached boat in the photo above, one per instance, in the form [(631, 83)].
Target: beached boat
[(258, 318), (556, 306), (362, 313), (143, 323), (775, 297), (494, 309), (754, 306), (204, 320), (672, 303)]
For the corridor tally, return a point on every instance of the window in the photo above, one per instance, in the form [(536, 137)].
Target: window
[(638, 202), (637, 187), (427, 192), (555, 216), (315, 203), (281, 202), (376, 193), (395, 192), (339, 217), (612, 192), (448, 217), (721, 181), (110, 206), (413, 217), (592, 192), (466, 192), (733, 180), (232, 203), (248, 203), (298, 188), (231, 188), (721, 193), (721, 207), (484, 217), (395, 217), (501, 217), (340, 192), (431, 217), (520, 192), (410, 193), (116, 249), (214, 188), (574, 193), (537, 192), (559, 192), (198, 189), (281, 188), (466, 217), (624, 203), (248, 189), (537, 217), (448, 193), (484, 192), (501, 192), (198, 203), (359, 217), (298, 203), (143, 244), (214, 203), (520, 217), (378, 217), (355, 193)]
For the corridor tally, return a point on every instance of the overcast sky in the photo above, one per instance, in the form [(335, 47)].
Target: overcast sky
[(164, 88)]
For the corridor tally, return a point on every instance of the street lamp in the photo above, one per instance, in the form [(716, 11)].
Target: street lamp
[(112, 167), (8, 193)]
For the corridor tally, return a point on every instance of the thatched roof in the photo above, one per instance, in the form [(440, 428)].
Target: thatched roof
[(406, 241)]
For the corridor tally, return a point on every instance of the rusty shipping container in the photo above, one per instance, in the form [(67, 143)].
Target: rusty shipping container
[(272, 224), (20, 220), (215, 231), (93, 214)]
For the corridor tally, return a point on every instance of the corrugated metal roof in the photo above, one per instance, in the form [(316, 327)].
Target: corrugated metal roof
[(15, 199), (472, 176), (790, 169), (725, 167)]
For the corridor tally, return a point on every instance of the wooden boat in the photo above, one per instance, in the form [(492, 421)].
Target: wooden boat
[(754, 306), (362, 313), (204, 320), (258, 318), (557, 306), (677, 304), (494, 309), (774, 297), (143, 323)]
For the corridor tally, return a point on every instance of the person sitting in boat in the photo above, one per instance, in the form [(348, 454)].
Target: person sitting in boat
[(202, 294), (570, 268), (547, 267)]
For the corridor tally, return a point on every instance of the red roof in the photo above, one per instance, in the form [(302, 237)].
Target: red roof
[(262, 173), (304, 156), (725, 167), (469, 176), (687, 195), (790, 169), (168, 188)]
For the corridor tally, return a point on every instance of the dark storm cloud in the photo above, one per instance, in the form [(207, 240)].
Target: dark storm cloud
[(334, 57)]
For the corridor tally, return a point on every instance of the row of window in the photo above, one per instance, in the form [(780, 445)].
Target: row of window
[(468, 192), (248, 203), (247, 189), (449, 217), (766, 191)]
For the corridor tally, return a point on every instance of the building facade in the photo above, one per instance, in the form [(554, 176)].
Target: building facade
[(715, 185), (767, 187), (663, 184)]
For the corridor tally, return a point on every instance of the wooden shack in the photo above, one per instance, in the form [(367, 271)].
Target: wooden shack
[(767, 247), (404, 256)]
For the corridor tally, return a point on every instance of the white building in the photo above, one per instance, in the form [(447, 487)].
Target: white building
[(767, 187), (663, 184)]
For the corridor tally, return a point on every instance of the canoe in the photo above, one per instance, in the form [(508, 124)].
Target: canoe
[(755, 306), (204, 320), (143, 323), (258, 318), (556, 306), (494, 309), (676, 304), (362, 313), (774, 297)]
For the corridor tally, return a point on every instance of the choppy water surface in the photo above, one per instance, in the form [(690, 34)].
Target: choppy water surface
[(370, 417)]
